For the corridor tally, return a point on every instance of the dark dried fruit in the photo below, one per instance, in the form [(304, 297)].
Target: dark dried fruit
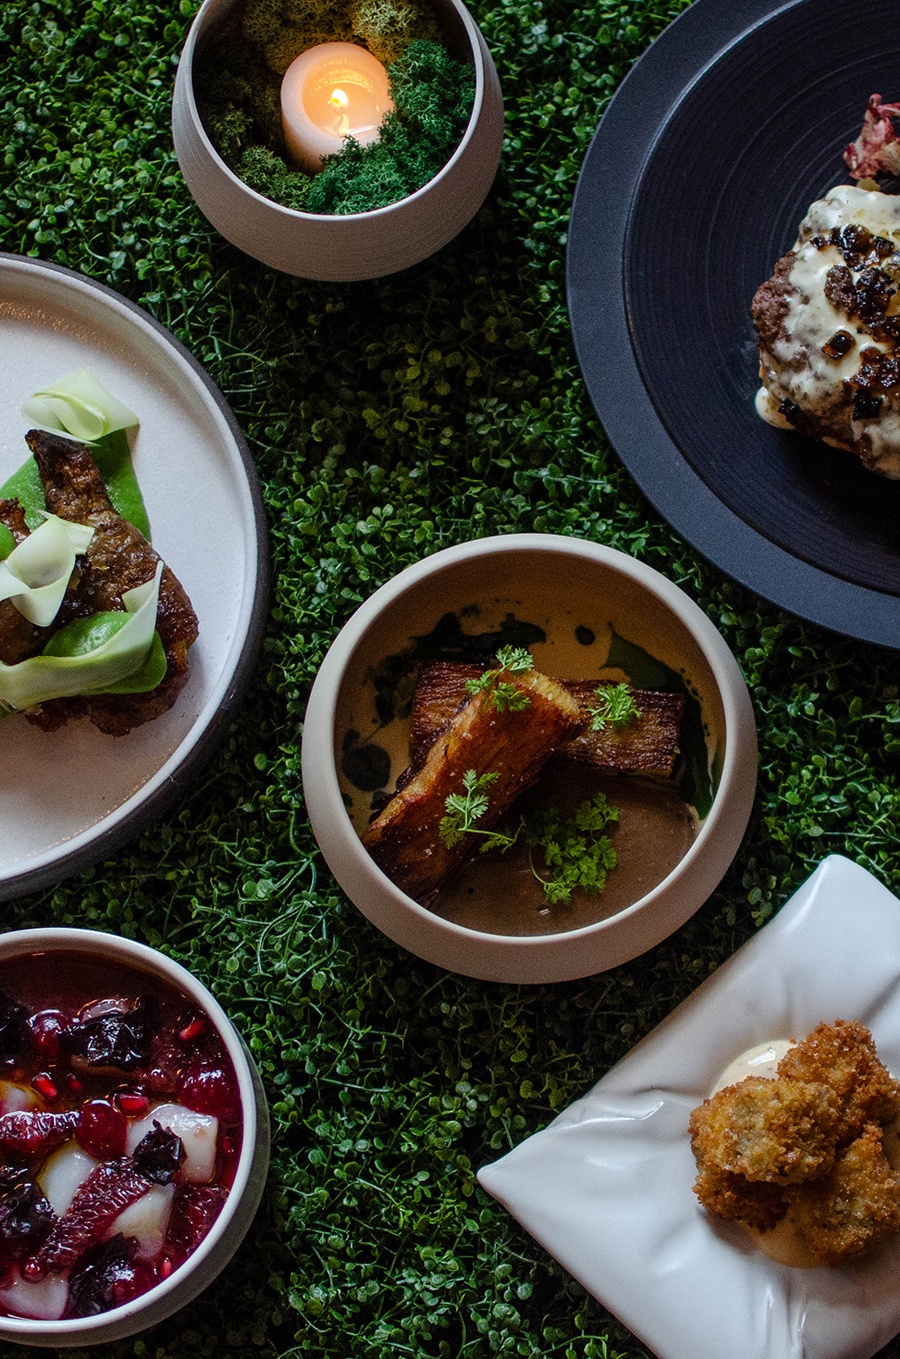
[(159, 1154), (119, 1038), (109, 1189), (839, 288), (102, 1129), (30, 1133), (108, 1276), (866, 406), (840, 344), (25, 1217), (194, 1210), (15, 1039)]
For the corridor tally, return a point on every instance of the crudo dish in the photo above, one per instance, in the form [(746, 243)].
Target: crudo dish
[(427, 664), (133, 1138)]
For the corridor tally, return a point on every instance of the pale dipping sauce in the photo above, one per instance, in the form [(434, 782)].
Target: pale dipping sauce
[(783, 1243)]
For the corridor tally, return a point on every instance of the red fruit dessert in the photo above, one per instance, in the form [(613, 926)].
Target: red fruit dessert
[(120, 1132)]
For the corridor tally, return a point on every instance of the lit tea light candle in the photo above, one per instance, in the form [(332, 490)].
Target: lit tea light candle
[(330, 92)]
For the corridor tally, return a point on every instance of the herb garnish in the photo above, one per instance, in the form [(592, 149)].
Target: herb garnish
[(505, 697), (577, 852), (576, 849), (615, 707), (464, 809)]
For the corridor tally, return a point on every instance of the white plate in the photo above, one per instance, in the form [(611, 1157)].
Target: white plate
[(606, 1188), (71, 797)]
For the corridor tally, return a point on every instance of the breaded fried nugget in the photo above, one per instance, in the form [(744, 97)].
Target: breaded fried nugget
[(752, 1202), (781, 1131), (842, 1055), (855, 1205)]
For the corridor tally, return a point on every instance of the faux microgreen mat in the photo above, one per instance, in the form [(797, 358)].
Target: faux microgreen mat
[(387, 420)]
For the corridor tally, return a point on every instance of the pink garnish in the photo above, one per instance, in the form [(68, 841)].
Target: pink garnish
[(192, 1031), (877, 148), (132, 1104), (44, 1086), (30, 1132), (194, 1210), (104, 1194)]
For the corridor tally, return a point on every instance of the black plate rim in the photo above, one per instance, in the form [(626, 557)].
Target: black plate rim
[(610, 176)]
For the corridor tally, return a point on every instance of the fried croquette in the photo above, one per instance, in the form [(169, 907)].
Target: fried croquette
[(842, 1055), (779, 1131), (852, 1207), (752, 1202), (805, 1145)]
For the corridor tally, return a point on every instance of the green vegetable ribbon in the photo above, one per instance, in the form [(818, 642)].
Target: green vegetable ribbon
[(106, 653)]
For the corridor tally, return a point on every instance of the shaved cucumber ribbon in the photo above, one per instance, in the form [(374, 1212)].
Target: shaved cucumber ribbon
[(35, 575), (82, 408), (103, 654)]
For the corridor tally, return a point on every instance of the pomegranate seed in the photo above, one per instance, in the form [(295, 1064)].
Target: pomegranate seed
[(44, 1086), (73, 1083), (209, 1090), (165, 1267), (101, 1130), (193, 1030), (132, 1104), (46, 1026)]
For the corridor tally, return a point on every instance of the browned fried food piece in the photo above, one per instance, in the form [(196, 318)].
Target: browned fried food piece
[(118, 559), (855, 1205), (17, 635), (756, 1203), (780, 1131), (648, 745), (405, 838), (842, 1055)]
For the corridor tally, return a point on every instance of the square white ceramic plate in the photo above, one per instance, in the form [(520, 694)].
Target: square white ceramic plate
[(606, 1187)]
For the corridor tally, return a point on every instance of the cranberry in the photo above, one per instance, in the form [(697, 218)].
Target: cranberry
[(101, 1129), (46, 1026), (209, 1090)]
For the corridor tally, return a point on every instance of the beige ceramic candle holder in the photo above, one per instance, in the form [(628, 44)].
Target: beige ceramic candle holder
[(355, 245)]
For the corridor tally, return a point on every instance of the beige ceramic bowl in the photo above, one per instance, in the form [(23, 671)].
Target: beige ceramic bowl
[(232, 1224), (599, 611), (358, 245)]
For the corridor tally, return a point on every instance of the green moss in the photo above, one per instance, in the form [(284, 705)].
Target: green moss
[(433, 97), (239, 99), (387, 27)]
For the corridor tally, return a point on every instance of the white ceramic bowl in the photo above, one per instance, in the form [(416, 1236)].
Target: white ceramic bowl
[(572, 590), (229, 1229), (356, 245)]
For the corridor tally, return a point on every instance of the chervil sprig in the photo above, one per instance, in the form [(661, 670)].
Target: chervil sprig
[(465, 808), (615, 707), (505, 697), (576, 849)]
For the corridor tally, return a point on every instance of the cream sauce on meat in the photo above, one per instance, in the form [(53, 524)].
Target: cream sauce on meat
[(804, 374)]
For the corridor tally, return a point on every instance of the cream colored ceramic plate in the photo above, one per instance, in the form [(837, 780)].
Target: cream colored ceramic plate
[(72, 797), (606, 1188)]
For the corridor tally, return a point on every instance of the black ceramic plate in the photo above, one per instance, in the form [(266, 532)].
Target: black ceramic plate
[(729, 126)]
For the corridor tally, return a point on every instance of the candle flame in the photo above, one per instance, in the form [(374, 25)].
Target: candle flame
[(339, 99)]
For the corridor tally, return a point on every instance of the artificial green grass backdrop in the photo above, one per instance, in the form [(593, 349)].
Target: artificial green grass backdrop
[(389, 419)]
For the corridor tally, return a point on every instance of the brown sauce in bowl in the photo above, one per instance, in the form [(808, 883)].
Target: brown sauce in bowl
[(499, 894)]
